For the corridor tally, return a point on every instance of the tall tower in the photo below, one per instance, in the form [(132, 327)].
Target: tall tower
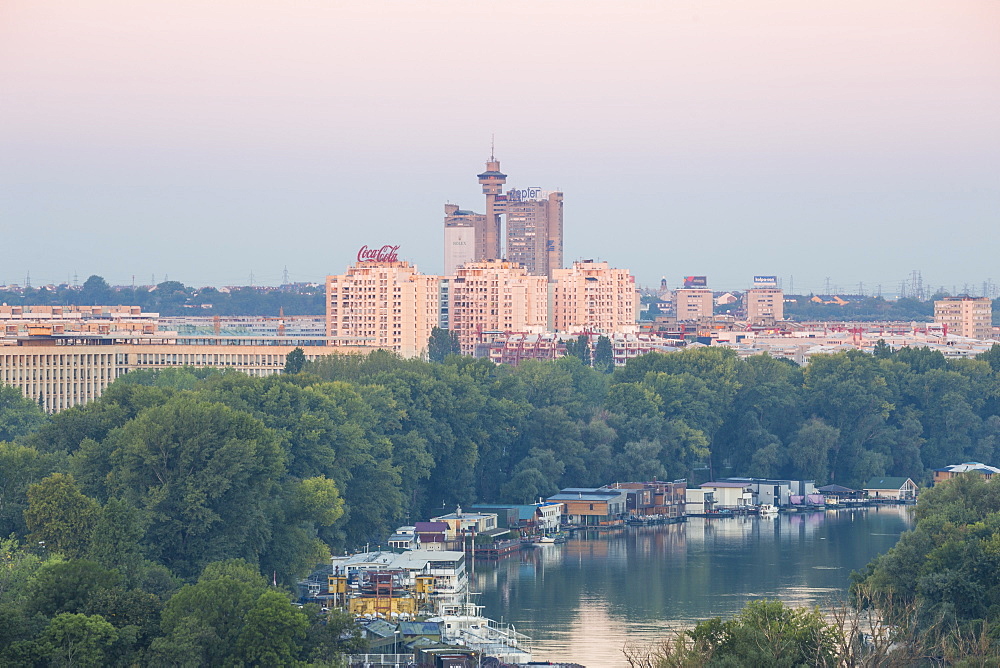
[(493, 181)]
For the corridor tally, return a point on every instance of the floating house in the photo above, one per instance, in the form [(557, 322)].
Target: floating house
[(654, 499), (781, 493), (731, 495), (891, 489), (699, 502), (527, 518), (592, 506)]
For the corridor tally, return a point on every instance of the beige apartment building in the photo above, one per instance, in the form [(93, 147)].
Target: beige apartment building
[(692, 304), (496, 296), (764, 306), (383, 304), (593, 297), (965, 316)]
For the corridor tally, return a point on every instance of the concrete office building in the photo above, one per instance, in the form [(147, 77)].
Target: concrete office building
[(493, 297), (535, 230), (691, 304), (965, 316), (764, 306), (593, 297), (383, 304), (65, 371), (464, 237)]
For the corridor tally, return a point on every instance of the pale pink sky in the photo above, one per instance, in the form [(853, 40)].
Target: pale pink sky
[(854, 140)]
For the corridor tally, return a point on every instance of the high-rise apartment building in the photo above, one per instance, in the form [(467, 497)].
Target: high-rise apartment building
[(764, 306), (535, 230), (492, 297), (690, 304), (383, 303), (966, 316), (591, 296)]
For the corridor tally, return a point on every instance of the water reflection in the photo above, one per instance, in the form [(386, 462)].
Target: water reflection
[(585, 599)]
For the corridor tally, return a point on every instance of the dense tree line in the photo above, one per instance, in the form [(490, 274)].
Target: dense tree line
[(942, 580), (126, 514), (173, 298)]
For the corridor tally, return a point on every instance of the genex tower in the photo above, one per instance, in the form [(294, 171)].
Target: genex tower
[(493, 181), (534, 222)]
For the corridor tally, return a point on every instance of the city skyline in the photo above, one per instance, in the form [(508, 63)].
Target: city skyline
[(839, 140)]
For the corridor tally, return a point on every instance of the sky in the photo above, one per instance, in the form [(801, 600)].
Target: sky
[(842, 143)]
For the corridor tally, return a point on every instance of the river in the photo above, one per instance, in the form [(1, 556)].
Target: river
[(585, 599)]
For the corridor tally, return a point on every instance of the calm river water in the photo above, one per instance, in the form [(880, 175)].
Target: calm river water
[(584, 600)]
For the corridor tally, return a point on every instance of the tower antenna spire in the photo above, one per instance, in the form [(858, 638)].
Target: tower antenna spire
[(492, 147)]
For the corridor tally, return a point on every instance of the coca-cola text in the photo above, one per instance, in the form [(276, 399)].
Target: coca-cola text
[(384, 254)]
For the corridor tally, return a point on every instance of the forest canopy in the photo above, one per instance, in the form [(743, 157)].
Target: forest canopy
[(140, 523)]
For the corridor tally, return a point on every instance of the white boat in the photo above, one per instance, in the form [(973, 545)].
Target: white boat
[(464, 625), (767, 509), (545, 540)]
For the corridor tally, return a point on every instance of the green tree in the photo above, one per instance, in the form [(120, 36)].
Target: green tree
[(319, 499), (20, 467), (60, 516), (882, 350), (116, 541), (67, 586), (331, 634), (19, 415), (295, 360), (943, 575), (17, 566), (134, 612), (442, 343), (639, 461), (271, 632), (95, 291), (579, 348), (851, 394), (604, 355), (992, 356), (809, 452), (536, 476), (78, 640), (767, 633), (202, 474), (202, 622)]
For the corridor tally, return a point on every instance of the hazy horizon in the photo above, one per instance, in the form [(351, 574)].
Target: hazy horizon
[(208, 141)]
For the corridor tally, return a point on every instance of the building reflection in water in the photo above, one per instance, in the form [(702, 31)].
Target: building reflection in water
[(583, 600)]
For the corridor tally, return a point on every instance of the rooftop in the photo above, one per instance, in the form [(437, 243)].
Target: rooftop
[(887, 482), (969, 466)]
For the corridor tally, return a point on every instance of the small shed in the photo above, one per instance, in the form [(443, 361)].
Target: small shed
[(891, 489), (836, 494)]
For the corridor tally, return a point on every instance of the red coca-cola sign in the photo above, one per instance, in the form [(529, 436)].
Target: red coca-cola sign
[(384, 254)]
